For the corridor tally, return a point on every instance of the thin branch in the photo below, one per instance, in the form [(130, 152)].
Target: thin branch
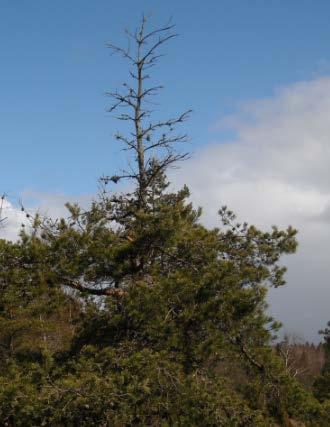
[(109, 291), (124, 52), (156, 45), (166, 142), (158, 31), (167, 123)]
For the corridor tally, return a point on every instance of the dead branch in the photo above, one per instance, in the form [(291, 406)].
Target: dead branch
[(146, 137)]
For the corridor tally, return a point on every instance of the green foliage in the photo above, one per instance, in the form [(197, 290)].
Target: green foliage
[(192, 303), (33, 315)]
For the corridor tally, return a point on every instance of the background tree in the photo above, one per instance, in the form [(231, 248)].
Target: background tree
[(322, 384)]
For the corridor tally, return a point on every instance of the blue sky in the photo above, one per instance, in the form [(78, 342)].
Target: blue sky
[(55, 135), (257, 75)]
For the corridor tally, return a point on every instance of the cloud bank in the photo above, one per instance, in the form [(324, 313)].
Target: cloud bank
[(276, 170)]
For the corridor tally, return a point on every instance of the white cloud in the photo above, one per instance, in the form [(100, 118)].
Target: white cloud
[(277, 171), (53, 204), (46, 204), (11, 220)]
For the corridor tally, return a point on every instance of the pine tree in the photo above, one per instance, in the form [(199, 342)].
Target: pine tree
[(172, 326)]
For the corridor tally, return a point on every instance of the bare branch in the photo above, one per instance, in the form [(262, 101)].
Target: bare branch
[(109, 291), (161, 41), (167, 123), (156, 32), (124, 52), (166, 142)]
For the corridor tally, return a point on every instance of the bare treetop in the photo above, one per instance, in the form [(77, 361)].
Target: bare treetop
[(153, 142)]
